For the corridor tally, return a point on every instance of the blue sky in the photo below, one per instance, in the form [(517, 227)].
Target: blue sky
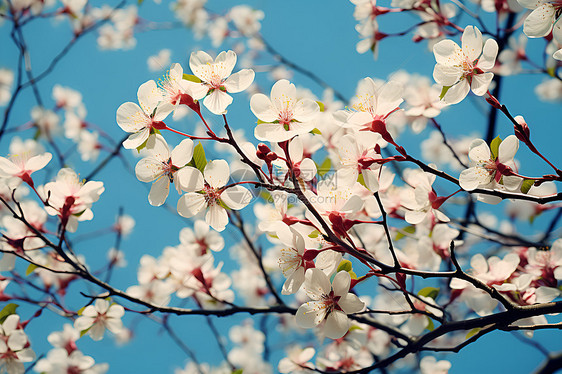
[(317, 35)]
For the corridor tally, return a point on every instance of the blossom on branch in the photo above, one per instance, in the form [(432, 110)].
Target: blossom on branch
[(460, 70)]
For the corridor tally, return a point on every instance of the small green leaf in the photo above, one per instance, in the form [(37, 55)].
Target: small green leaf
[(30, 269), (431, 292), (260, 122), (325, 167), (551, 71), (473, 332), (192, 78), (81, 310), (199, 159), (527, 184), (361, 180), (140, 2), (444, 92), (321, 105), (316, 131), (84, 332), (238, 371), (430, 326), (495, 146), (345, 265), (7, 311), (142, 146), (403, 231), (355, 327), (314, 234)]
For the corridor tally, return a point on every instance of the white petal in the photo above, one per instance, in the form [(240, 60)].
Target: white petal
[(217, 173), (190, 204), (182, 153), (131, 118), (341, 283), (540, 21), (445, 52), (217, 217), (472, 42), (316, 284), (217, 101), (306, 110), (149, 169), (457, 93), (350, 303), (149, 96), (310, 314), (236, 197), (190, 179), (159, 191), (480, 83), (239, 81), (488, 58), (507, 149), (262, 108), (336, 325)]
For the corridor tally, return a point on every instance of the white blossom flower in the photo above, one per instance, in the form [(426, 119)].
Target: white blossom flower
[(489, 170), (331, 303), (100, 316), (283, 116), (163, 167), (213, 196), (139, 120), (217, 79), (13, 346), (467, 68)]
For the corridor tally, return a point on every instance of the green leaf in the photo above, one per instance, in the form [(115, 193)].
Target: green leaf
[(192, 78), (7, 311), (81, 310), (142, 146), (199, 159), (260, 122), (316, 131), (430, 326), (139, 2), (30, 269), (431, 292), (345, 265), (473, 332), (238, 371), (84, 332), (355, 327), (551, 71), (321, 105), (325, 167), (444, 92), (527, 184), (361, 180), (495, 146), (403, 231), (314, 234)]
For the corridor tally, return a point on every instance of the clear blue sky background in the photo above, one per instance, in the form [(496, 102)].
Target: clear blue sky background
[(318, 35)]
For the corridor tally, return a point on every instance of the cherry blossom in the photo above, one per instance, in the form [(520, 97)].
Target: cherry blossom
[(491, 170), (372, 106), (544, 16), (282, 115), (163, 167), (14, 344), (214, 195), (466, 68), (140, 120), (70, 199), (176, 90), (217, 79), (60, 360), (331, 303), (19, 168), (297, 360), (95, 319), (201, 238)]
